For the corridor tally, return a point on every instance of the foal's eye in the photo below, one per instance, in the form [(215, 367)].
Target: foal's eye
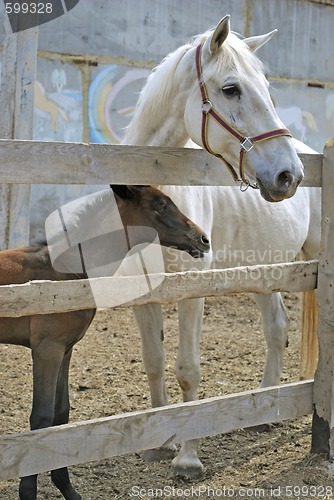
[(231, 90), (161, 208)]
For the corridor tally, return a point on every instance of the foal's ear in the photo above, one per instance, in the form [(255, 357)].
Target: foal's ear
[(126, 192), (220, 34), (255, 42)]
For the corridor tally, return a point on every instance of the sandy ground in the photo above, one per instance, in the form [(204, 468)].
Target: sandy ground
[(107, 377)]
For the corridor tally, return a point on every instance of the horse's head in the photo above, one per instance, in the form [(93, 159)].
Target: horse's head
[(230, 113), (146, 206)]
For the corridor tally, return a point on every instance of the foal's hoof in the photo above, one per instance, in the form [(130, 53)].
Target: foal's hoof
[(159, 454), (191, 469)]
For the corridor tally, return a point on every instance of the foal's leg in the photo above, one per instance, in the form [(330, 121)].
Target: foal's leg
[(275, 326), (149, 319), (47, 359), (60, 477), (187, 368)]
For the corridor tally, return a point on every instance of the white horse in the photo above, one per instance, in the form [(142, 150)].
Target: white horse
[(214, 92)]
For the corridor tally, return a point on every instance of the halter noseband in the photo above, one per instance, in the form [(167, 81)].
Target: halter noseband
[(246, 143)]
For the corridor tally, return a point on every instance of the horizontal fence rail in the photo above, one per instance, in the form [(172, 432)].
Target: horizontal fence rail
[(37, 162), (42, 297), (54, 447)]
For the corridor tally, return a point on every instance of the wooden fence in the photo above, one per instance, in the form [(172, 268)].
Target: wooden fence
[(324, 2), (67, 163)]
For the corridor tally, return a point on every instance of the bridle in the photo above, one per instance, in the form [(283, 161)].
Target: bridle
[(246, 143)]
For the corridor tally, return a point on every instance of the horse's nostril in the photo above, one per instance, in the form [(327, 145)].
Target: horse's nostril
[(205, 240), (285, 179)]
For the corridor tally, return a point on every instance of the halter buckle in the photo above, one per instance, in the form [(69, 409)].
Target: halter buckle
[(207, 107), (245, 184), (247, 144)]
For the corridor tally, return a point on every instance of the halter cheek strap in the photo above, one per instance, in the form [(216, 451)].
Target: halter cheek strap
[(246, 143)]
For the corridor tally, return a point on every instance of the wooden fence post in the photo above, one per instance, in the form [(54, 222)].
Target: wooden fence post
[(17, 112), (323, 397)]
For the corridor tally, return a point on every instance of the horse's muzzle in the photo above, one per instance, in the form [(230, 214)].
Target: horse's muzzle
[(200, 247), (284, 186)]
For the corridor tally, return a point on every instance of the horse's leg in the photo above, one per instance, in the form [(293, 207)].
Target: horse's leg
[(47, 359), (187, 368), (149, 319), (60, 477), (275, 326)]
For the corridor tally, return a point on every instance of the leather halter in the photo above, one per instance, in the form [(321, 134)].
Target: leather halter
[(246, 143)]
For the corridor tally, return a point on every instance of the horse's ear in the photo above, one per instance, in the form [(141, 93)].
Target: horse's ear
[(121, 191), (135, 190), (220, 34), (126, 192), (255, 42)]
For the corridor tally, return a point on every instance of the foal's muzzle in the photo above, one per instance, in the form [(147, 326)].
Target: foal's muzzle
[(200, 247)]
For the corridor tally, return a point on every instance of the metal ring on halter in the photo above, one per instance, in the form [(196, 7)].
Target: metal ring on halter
[(207, 107), (244, 185), (247, 144)]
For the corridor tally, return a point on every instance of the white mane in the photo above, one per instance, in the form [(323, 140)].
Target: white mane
[(157, 90)]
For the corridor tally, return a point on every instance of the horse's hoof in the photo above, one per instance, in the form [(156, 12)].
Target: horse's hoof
[(192, 469), (159, 454)]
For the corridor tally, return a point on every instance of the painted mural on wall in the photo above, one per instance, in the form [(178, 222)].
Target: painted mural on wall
[(329, 107), (302, 121), (113, 94), (307, 111), (58, 102), (58, 116)]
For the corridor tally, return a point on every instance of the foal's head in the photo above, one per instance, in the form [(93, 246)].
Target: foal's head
[(149, 207)]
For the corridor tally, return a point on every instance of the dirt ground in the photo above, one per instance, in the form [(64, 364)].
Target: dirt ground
[(107, 377)]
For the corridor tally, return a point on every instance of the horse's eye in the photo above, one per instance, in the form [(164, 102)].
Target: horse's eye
[(161, 208), (231, 90)]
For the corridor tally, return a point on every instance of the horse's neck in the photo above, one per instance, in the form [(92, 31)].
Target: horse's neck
[(159, 115), (165, 131)]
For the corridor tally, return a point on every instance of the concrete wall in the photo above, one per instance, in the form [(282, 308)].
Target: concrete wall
[(93, 61)]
